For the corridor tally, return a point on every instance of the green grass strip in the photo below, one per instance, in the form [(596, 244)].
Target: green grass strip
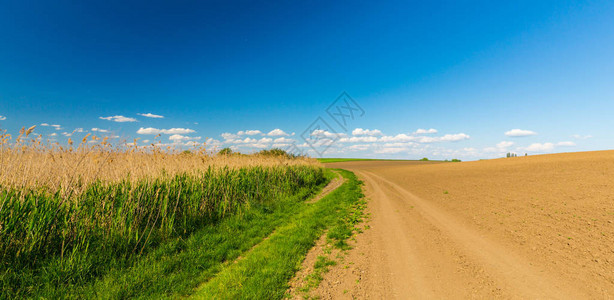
[(332, 160), (265, 271), (55, 246), (174, 269)]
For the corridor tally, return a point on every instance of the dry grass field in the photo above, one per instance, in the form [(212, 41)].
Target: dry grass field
[(526, 227), (27, 161), (70, 215)]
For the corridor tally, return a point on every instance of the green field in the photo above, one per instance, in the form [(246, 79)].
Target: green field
[(332, 160)]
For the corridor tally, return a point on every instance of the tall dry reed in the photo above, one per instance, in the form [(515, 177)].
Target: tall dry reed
[(69, 210), (29, 162)]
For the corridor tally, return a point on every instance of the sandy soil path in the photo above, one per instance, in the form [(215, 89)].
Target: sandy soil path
[(436, 231)]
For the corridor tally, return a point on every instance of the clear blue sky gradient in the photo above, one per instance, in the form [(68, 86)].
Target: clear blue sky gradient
[(480, 68)]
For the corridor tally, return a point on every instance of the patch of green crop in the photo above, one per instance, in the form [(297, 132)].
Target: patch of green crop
[(332, 160), (52, 244)]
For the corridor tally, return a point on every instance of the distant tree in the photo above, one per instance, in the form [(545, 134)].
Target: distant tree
[(509, 155), (456, 160), (424, 159), (525, 154), (276, 152), (226, 151)]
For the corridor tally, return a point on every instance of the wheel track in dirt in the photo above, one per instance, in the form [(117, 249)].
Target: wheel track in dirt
[(429, 277), (417, 249)]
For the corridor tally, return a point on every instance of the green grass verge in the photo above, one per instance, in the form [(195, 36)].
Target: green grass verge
[(151, 239), (265, 270), (333, 160), (175, 269), (205, 263)]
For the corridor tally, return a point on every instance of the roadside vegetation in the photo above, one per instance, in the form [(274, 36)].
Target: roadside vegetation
[(333, 160), (97, 220), (264, 272)]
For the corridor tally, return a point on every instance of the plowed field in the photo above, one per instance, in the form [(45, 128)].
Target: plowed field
[(525, 227)]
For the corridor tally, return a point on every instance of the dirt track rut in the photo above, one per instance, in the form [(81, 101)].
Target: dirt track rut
[(430, 254), (417, 249)]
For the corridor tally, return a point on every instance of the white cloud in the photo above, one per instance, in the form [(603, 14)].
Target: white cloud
[(249, 142), (425, 131), (66, 134), (369, 132), (78, 130), (229, 136), (505, 144), (283, 140), (151, 130), (265, 140), (180, 138), (537, 147), (191, 143), (581, 137), (407, 144), (277, 132), (492, 149), (249, 132), (258, 145), (213, 142), (56, 127), (389, 150), (359, 139), (246, 140), (120, 119), (425, 139), (566, 144), (100, 130), (520, 133), (281, 145), (398, 138), (150, 115), (501, 147), (53, 134), (2, 118), (323, 133), (446, 138), (359, 147), (322, 138)]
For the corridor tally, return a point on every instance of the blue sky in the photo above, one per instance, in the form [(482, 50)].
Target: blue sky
[(230, 73)]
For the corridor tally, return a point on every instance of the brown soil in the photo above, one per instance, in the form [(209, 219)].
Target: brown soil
[(307, 267), (525, 227)]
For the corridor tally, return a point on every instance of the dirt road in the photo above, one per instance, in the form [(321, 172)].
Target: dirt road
[(535, 227)]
